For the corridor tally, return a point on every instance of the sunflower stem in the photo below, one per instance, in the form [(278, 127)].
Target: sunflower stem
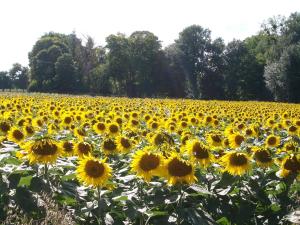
[(99, 204)]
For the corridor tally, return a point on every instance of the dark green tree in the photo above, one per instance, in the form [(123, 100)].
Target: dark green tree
[(5, 81), (19, 76)]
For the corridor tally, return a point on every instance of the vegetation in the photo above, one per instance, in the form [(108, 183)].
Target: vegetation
[(96, 160), (261, 67)]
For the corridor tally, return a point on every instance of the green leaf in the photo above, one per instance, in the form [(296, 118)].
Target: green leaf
[(25, 181), (120, 198), (223, 221)]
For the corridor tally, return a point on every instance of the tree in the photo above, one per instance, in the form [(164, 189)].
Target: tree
[(5, 82), (243, 73), (65, 79), (19, 76)]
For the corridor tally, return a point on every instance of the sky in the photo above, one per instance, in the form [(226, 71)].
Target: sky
[(22, 22)]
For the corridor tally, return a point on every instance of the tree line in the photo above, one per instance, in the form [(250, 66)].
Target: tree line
[(265, 66)]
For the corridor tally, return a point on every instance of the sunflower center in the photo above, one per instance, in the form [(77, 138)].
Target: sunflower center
[(216, 138), (68, 120), (101, 126), (238, 160), (113, 128), (262, 156), (29, 130), (199, 152), (292, 164), (271, 140), (292, 128), (4, 127), (248, 131), (154, 125), (178, 168), (84, 148), (134, 122), (68, 146), (125, 143), (44, 148), (290, 147), (239, 139), (94, 169), (149, 162), (109, 145), (18, 135)]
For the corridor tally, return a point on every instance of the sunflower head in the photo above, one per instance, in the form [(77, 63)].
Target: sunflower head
[(179, 170), (146, 164), (67, 148), (15, 135), (45, 150), (290, 165), (272, 141), (235, 140), (94, 172), (124, 144), (262, 157), (235, 163), (199, 152), (109, 146), (4, 126), (83, 149)]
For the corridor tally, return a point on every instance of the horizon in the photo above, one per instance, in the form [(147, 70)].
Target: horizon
[(100, 19)]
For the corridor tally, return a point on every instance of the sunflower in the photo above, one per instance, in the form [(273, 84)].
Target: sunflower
[(109, 146), (67, 147), (262, 157), (199, 152), (235, 163), (290, 165), (83, 149), (45, 150), (94, 172), (15, 135), (80, 133), (4, 126), (29, 130), (178, 170), (235, 140), (124, 144), (293, 130), (113, 129), (215, 140), (147, 164), (99, 128), (272, 141)]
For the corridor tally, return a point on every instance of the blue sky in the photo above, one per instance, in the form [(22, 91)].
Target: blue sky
[(22, 22)]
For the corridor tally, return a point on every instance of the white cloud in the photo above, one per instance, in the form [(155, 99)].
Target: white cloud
[(23, 22)]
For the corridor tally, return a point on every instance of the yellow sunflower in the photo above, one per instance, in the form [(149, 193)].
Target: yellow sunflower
[(113, 129), (109, 146), (290, 165), (178, 170), (124, 144), (15, 135), (94, 172), (215, 140), (67, 147), (83, 149), (262, 157), (272, 141), (99, 128), (235, 163), (235, 140), (147, 164), (4, 126), (199, 152), (45, 150)]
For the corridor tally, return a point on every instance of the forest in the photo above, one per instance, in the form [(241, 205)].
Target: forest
[(262, 67)]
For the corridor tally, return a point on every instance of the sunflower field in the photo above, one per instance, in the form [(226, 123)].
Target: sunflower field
[(103, 160)]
